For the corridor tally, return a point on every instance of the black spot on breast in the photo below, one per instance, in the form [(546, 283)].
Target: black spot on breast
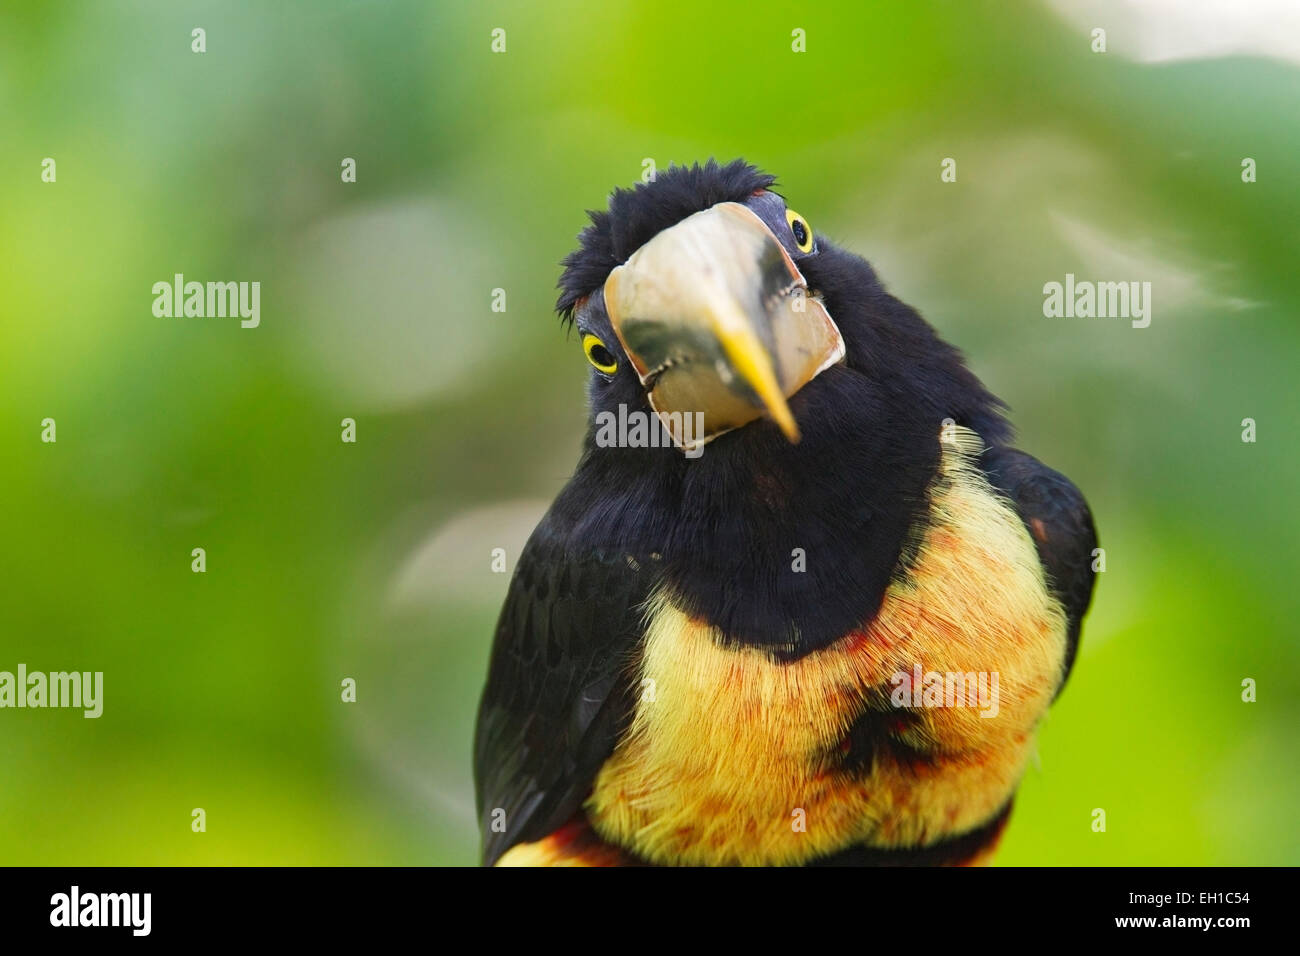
[(879, 730)]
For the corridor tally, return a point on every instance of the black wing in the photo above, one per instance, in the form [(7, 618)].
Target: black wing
[(1060, 524), (560, 685)]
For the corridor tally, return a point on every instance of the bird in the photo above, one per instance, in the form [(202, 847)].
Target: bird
[(738, 645)]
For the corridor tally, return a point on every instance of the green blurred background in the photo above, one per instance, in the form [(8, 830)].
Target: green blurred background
[(372, 560)]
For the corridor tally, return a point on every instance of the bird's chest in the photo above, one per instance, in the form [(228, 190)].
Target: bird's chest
[(734, 757)]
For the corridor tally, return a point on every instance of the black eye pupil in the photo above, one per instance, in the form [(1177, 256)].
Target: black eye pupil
[(600, 355), (800, 232)]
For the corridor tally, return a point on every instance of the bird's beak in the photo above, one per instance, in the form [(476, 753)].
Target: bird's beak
[(717, 319)]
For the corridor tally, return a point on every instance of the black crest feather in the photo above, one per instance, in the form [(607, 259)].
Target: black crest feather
[(637, 215)]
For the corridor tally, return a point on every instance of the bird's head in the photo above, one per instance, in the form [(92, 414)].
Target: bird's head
[(703, 294), (690, 296)]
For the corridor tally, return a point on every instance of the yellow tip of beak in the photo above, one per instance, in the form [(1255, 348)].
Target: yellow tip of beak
[(752, 362), (781, 413)]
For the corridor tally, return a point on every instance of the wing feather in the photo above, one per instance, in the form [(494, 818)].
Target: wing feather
[(559, 687), (1060, 523)]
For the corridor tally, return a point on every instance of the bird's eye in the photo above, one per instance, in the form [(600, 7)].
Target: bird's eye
[(598, 355), (799, 228)]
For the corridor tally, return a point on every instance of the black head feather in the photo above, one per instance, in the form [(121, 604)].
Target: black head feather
[(637, 215)]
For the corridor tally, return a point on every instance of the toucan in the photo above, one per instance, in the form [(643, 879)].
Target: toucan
[(810, 606)]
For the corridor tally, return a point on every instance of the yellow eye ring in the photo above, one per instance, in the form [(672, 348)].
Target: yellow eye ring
[(601, 358), (799, 228)]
